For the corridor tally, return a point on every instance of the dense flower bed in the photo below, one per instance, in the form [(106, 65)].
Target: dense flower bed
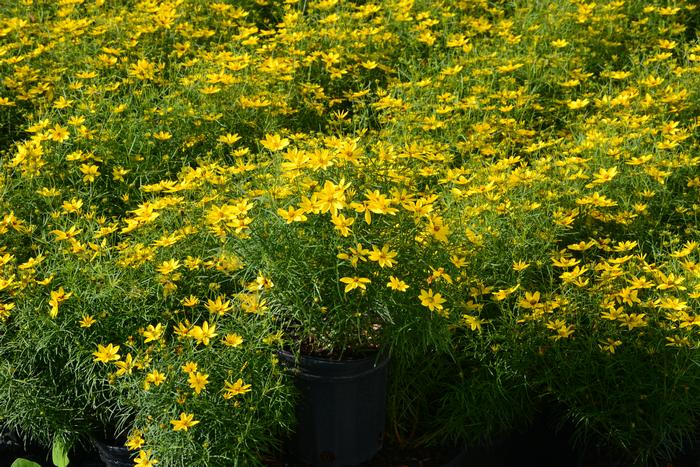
[(505, 194)]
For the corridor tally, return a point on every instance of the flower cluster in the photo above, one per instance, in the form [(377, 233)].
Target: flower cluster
[(502, 193)]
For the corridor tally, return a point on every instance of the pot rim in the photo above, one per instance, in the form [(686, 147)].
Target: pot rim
[(320, 368)]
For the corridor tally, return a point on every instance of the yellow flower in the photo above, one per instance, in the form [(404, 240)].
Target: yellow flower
[(124, 367), (86, 321), (233, 340), (57, 297), (154, 377), (438, 229), (530, 300), (274, 142), (378, 203), (439, 273), (565, 262), (192, 264), (162, 136), (331, 197), (189, 367), (342, 224), (458, 261), (571, 276), (235, 389), (144, 459), (166, 267), (219, 306), (678, 341), (384, 257), (354, 283), (134, 441), (359, 253), (561, 329), (59, 133), (433, 301), (72, 206), (603, 176), (106, 354), (397, 284), (273, 338), (118, 173), (502, 294), (369, 64), (198, 381), (473, 322), (5, 309), (612, 313), (190, 301), (90, 172), (229, 138), (609, 345), (67, 235), (578, 104), (143, 69), (153, 333), (291, 214), (203, 334), (632, 320), (184, 423), (182, 329)]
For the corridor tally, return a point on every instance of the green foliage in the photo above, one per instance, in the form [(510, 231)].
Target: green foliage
[(59, 454), (24, 463), (501, 193)]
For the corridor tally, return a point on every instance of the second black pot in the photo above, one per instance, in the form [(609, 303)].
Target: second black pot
[(113, 455), (342, 409)]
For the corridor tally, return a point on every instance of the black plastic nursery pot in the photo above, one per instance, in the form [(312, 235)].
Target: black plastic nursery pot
[(113, 455), (341, 411)]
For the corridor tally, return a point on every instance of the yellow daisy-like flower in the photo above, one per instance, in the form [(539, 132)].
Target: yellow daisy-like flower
[(274, 142), (189, 367), (354, 283), (185, 422), (397, 284), (204, 333), (233, 340), (86, 321), (198, 381), (235, 389), (384, 257), (106, 354), (433, 301), (144, 459)]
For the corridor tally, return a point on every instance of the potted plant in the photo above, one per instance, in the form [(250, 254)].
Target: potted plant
[(347, 265), (207, 391), (351, 260), (68, 304)]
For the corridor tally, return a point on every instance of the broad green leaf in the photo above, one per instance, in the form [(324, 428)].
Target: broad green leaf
[(24, 463), (59, 454)]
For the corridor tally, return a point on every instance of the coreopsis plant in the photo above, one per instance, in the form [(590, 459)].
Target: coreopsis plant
[(352, 241), (203, 392), (339, 239), (95, 327), (69, 300)]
